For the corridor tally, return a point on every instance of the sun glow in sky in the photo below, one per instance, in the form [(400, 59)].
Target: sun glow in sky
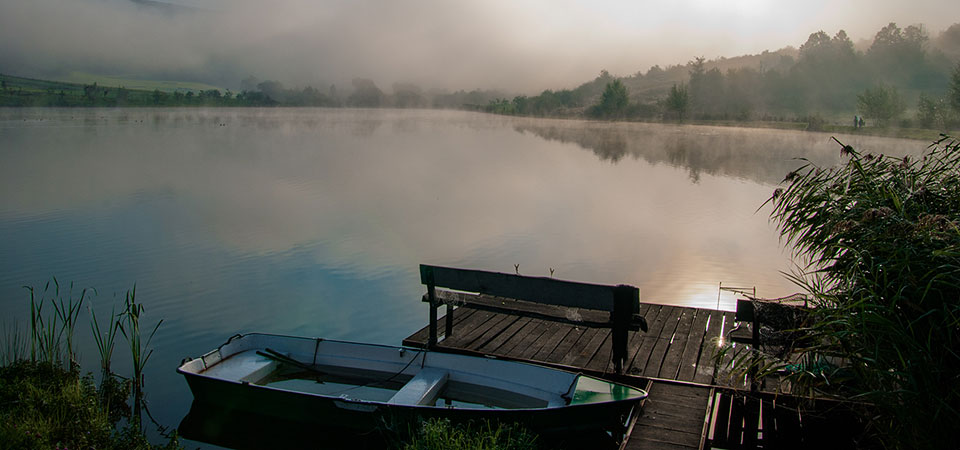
[(521, 46)]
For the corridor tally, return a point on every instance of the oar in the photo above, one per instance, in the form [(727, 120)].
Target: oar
[(279, 357)]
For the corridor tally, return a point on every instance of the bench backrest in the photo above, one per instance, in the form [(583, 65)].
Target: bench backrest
[(532, 289)]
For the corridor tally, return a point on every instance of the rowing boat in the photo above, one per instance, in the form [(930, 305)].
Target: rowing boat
[(358, 386)]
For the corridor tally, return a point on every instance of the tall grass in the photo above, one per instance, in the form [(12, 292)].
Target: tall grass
[(878, 238), (440, 434), (105, 340), (140, 350), (48, 333), (40, 376), (14, 346)]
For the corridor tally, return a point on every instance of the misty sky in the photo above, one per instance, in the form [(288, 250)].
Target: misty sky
[(524, 46)]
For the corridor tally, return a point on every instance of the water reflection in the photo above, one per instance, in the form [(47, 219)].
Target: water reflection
[(764, 156)]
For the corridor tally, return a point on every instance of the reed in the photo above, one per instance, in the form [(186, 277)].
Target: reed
[(105, 340), (140, 350), (878, 240), (14, 347)]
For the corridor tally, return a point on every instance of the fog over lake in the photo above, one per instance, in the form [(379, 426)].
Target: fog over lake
[(313, 222)]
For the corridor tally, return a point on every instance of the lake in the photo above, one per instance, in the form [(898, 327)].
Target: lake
[(313, 221)]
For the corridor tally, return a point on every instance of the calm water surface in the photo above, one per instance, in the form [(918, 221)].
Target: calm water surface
[(312, 222)]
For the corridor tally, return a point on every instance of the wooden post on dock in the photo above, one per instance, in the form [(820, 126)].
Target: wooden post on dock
[(626, 299)]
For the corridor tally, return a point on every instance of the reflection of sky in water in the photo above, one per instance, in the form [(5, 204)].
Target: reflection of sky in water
[(312, 222)]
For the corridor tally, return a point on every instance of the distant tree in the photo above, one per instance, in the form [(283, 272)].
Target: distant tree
[(955, 89), (408, 95), (272, 89), (678, 100), (880, 103), (613, 101), (521, 104), (932, 112), (365, 94)]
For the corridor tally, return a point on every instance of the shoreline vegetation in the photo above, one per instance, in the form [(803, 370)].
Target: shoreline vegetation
[(877, 241), (31, 93), (46, 401), (903, 84)]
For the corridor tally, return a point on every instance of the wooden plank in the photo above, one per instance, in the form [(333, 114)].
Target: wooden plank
[(670, 369), (705, 364), (419, 339), (649, 312), (579, 348), (667, 314), (493, 346), (492, 332), (563, 348), (535, 289), (721, 424), (528, 337), (602, 360), (659, 351), (684, 438), (672, 417), (533, 347), (691, 352), (639, 358), (467, 327), (597, 342), (723, 370), (551, 342), (735, 436)]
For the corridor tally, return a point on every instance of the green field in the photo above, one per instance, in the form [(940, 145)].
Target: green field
[(112, 92), (131, 83)]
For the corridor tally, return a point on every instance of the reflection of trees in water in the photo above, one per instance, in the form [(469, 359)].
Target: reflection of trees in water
[(764, 156)]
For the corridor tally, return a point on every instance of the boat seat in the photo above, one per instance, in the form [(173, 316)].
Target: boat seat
[(422, 389)]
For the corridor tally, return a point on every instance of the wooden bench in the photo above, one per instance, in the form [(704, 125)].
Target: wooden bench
[(619, 303)]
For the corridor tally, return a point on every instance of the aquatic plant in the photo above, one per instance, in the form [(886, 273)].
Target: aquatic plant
[(47, 333), (878, 240), (105, 339), (140, 350)]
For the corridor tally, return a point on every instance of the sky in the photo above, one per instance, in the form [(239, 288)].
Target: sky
[(517, 46)]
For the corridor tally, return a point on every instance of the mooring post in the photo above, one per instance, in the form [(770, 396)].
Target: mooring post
[(426, 277)]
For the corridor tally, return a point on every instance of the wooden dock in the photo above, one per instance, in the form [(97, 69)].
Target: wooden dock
[(671, 351), (680, 344)]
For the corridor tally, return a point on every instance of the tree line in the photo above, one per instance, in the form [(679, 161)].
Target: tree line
[(900, 70)]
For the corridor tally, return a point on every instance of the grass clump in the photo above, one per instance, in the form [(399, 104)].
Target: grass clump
[(43, 405), (879, 242), (45, 402), (439, 434)]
